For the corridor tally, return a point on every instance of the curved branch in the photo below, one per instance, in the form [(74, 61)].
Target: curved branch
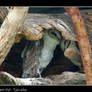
[(9, 29)]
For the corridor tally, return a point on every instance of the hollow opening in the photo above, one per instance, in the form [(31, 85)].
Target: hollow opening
[(13, 61), (59, 63)]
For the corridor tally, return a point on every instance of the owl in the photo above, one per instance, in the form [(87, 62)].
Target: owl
[(38, 54)]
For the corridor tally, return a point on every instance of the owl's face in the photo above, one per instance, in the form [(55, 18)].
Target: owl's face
[(51, 40)]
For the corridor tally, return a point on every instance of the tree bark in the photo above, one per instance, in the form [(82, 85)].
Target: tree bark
[(7, 79), (9, 29), (34, 25), (26, 33), (84, 45), (66, 78)]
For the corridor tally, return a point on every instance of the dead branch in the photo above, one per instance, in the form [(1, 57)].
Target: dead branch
[(7, 79), (85, 48), (9, 29), (28, 34), (34, 25), (66, 78)]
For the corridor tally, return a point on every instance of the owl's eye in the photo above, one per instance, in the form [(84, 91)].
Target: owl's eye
[(53, 33)]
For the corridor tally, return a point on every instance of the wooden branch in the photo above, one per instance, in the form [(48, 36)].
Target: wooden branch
[(9, 29), (66, 78), (7, 79), (23, 31), (34, 25), (85, 48), (28, 34)]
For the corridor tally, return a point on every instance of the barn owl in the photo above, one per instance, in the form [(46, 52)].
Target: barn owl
[(51, 40), (37, 57)]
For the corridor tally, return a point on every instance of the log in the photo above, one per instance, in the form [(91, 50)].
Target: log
[(23, 31), (27, 34), (66, 78), (34, 25), (9, 29), (83, 41), (7, 79)]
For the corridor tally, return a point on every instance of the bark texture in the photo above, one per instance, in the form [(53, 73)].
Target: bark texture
[(34, 25), (9, 29), (66, 78), (85, 48)]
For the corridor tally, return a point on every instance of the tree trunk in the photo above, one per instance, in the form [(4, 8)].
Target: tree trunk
[(85, 48), (9, 29)]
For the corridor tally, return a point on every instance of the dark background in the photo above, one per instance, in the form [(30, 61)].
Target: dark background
[(52, 9)]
